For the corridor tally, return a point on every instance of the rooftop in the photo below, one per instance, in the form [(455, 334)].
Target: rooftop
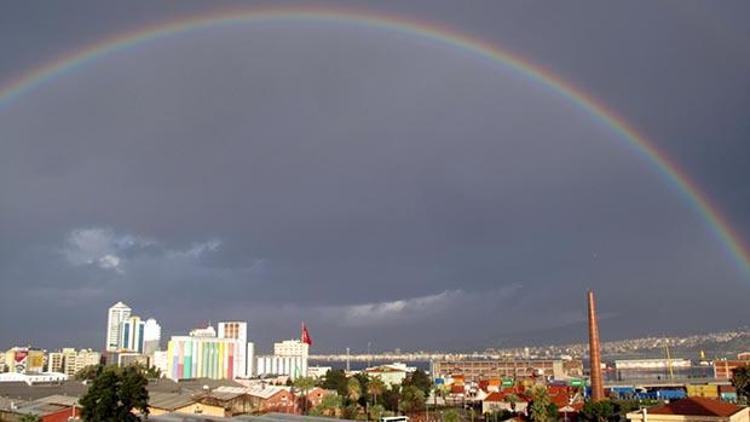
[(170, 401), (696, 406)]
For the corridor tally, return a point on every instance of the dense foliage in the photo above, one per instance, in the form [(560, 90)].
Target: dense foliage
[(600, 411), (741, 381), (419, 379), (114, 394)]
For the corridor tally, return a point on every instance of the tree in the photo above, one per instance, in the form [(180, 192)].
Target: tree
[(335, 379), (376, 412), (741, 381), (375, 388), (113, 395), (412, 399), (133, 393), (499, 415), (419, 379), (330, 406), (304, 385), (391, 397), (540, 404), (451, 415), (88, 373), (152, 372), (599, 411), (353, 389), (29, 418)]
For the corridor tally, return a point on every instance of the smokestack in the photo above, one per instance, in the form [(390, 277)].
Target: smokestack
[(595, 354)]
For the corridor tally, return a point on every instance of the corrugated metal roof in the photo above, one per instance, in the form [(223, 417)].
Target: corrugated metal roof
[(170, 401), (286, 417)]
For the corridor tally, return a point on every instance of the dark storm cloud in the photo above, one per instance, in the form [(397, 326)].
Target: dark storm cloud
[(382, 188)]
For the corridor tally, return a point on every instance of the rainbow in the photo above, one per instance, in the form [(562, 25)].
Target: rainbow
[(715, 222)]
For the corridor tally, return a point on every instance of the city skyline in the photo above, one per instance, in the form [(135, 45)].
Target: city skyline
[(401, 175)]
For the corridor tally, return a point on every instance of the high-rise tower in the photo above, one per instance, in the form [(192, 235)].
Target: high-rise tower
[(117, 314), (237, 330), (595, 354)]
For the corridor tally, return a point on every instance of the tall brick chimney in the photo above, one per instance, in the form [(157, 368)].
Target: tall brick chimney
[(595, 353)]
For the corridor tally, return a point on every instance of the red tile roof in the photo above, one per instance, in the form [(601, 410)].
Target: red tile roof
[(501, 397), (696, 406)]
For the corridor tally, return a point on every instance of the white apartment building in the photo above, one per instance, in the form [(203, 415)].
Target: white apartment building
[(74, 361), (160, 359), (291, 348), (151, 336), (116, 315), (55, 362), (132, 333)]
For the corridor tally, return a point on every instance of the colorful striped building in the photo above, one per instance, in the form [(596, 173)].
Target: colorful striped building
[(202, 357)]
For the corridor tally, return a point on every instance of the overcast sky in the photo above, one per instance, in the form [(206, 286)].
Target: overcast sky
[(381, 187)]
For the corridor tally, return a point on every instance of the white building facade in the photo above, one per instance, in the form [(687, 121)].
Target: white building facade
[(151, 337), (289, 358), (292, 366), (132, 333), (236, 330), (116, 315)]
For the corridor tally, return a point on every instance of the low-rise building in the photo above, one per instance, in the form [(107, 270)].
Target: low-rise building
[(318, 371), (271, 398), (723, 368), (703, 390), (391, 374), (692, 409), (182, 403), (49, 409), (509, 401), (481, 369), (314, 397), (33, 378), (651, 364)]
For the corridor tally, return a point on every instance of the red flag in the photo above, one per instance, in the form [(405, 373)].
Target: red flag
[(305, 338)]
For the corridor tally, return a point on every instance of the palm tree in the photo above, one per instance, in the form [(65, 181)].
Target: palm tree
[(304, 384), (375, 388), (540, 401), (353, 389), (512, 399), (330, 405)]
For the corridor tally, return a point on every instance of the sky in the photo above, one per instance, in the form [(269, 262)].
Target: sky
[(381, 187)]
